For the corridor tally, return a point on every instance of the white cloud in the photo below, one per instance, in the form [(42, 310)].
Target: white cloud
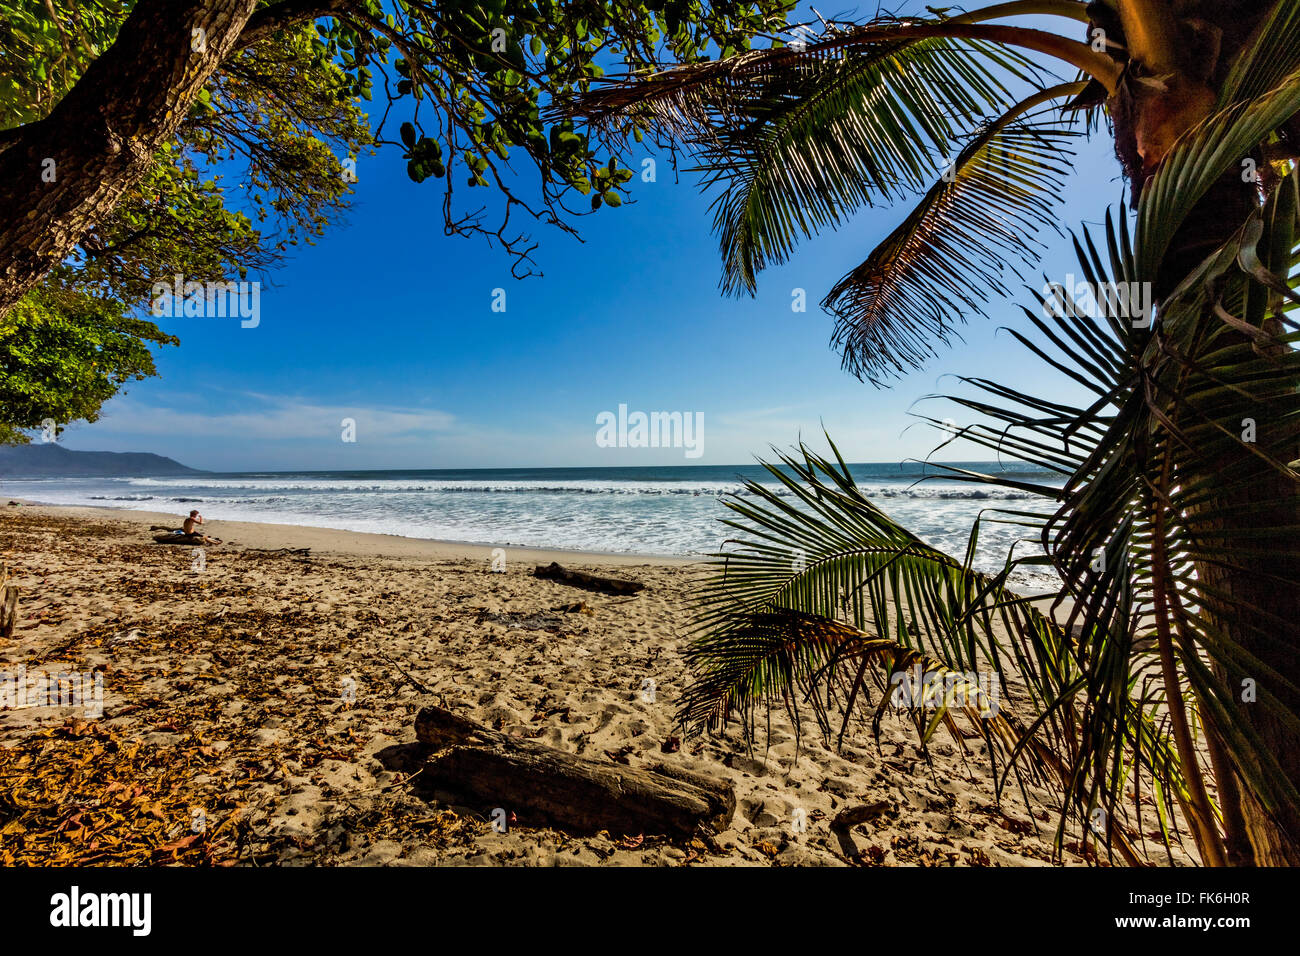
[(257, 431), (274, 418)]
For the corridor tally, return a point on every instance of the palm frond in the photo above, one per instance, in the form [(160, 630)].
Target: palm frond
[(823, 590), (791, 655), (1165, 490), (1198, 158), (1149, 534), (799, 139), (870, 127), (947, 257), (1264, 64)]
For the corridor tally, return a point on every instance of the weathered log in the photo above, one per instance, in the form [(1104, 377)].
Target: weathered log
[(190, 539), (8, 610), (588, 582), (543, 785)]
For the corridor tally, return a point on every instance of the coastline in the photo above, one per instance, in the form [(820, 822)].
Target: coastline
[(359, 544), (270, 536)]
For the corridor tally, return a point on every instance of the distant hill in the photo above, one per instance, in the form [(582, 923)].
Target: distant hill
[(51, 460)]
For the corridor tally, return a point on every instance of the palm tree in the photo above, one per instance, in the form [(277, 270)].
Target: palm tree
[(1168, 681)]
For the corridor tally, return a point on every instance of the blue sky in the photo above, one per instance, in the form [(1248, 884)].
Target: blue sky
[(388, 322)]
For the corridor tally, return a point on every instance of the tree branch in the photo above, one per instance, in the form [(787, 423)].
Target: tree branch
[(1073, 9), (130, 101), (1151, 34), (288, 13), (1097, 65)]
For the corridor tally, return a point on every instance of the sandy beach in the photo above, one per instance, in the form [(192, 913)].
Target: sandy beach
[(259, 710)]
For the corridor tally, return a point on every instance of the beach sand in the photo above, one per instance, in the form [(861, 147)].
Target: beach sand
[(260, 710)]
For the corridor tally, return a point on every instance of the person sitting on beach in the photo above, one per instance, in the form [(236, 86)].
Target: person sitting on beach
[(190, 529)]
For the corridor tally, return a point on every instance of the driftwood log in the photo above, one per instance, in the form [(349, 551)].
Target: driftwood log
[(190, 539), (8, 603), (543, 785), (588, 582)]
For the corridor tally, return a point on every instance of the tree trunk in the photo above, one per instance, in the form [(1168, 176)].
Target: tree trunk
[(1265, 568), (1263, 565), (1260, 519), (61, 174), (8, 603), (1265, 575), (1201, 45)]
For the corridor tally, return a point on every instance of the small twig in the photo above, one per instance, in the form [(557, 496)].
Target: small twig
[(415, 683)]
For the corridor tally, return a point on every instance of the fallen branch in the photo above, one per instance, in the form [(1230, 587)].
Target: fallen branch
[(193, 540), (411, 680), (543, 785), (588, 582)]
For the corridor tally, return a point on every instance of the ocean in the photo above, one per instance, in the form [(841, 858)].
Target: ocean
[(670, 510)]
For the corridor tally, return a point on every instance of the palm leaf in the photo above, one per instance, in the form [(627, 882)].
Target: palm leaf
[(1265, 63), (1159, 472), (822, 589), (1155, 479), (1198, 158), (800, 139), (947, 257), (816, 146)]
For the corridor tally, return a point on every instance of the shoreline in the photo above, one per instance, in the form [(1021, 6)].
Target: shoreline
[(268, 535), (362, 544)]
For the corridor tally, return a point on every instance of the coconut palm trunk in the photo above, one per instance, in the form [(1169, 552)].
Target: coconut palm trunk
[(1195, 53)]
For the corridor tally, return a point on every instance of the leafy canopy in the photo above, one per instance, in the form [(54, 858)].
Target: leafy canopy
[(266, 158), (63, 353)]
